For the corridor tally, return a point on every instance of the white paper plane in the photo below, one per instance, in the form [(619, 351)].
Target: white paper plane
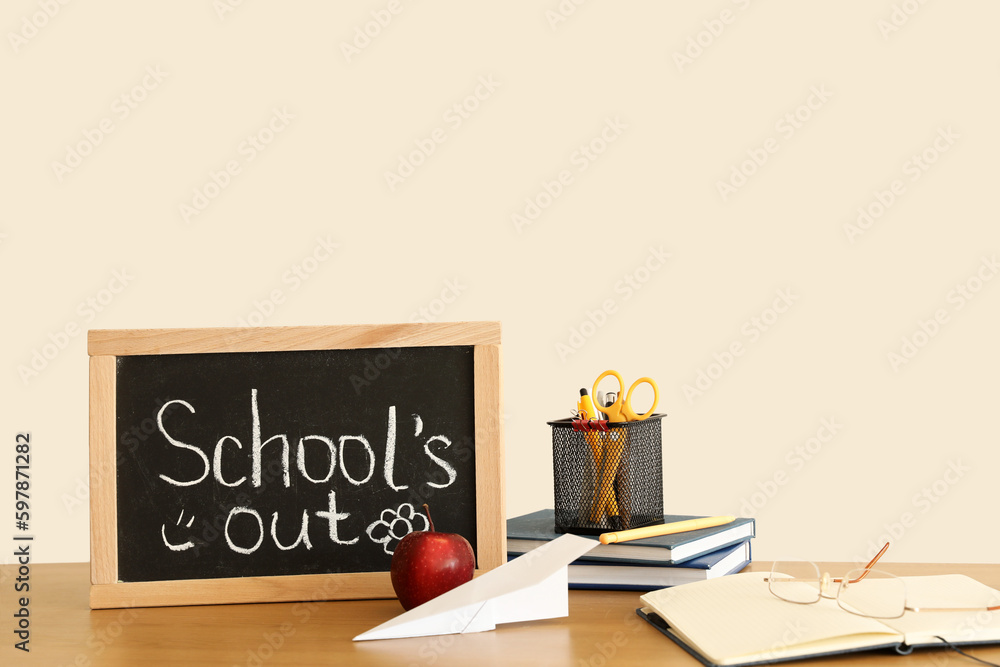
[(530, 587)]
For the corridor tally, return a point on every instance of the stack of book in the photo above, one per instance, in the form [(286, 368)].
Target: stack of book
[(646, 564)]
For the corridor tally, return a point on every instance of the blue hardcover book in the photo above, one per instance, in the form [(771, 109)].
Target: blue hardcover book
[(648, 576), (530, 531)]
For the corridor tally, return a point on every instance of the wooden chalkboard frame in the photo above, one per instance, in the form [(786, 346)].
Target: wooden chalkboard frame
[(104, 346)]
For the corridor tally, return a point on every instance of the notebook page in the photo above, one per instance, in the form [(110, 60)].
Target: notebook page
[(948, 590), (736, 619)]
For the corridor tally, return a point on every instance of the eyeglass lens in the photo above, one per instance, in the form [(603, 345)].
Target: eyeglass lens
[(795, 581), (877, 595)]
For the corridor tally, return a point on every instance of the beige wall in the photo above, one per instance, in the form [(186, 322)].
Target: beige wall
[(732, 145)]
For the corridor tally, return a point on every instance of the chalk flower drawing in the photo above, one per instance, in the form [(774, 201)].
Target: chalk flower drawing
[(391, 526)]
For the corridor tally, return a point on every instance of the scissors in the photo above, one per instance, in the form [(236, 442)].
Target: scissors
[(621, 409)]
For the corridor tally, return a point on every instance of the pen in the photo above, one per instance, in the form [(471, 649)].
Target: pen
[(665, 529)]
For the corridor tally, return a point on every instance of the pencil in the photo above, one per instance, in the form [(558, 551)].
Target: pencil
[(665, 529)]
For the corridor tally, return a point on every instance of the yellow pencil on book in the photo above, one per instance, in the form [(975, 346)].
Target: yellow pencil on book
[(665, 529)]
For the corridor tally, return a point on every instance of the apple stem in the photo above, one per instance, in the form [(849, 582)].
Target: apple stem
[(429, 519)]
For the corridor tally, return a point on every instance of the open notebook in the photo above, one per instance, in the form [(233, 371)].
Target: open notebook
[(736, 621)]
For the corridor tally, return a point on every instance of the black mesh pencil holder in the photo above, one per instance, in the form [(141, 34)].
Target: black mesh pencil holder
[(608, 476)]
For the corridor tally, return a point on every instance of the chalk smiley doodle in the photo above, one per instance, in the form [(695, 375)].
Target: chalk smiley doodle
[(182, 546)]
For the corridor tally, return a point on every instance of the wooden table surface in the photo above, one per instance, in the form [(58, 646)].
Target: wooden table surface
[(602, 630)]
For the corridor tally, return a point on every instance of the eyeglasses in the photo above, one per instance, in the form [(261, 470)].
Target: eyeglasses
[(864, 591)]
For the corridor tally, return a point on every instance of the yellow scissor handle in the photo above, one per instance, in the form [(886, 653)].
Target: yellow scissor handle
[(613, 411), (626, 409)]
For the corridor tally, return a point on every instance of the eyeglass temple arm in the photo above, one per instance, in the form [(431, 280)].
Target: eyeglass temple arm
[(909, 608), (867, 568)]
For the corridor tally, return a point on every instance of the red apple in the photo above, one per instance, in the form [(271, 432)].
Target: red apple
[(426, 564)]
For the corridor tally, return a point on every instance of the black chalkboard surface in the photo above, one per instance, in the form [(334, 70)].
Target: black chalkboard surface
[(270, 464), (275, 463)]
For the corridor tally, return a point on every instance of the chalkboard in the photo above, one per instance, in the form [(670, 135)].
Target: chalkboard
[(291, 460)]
